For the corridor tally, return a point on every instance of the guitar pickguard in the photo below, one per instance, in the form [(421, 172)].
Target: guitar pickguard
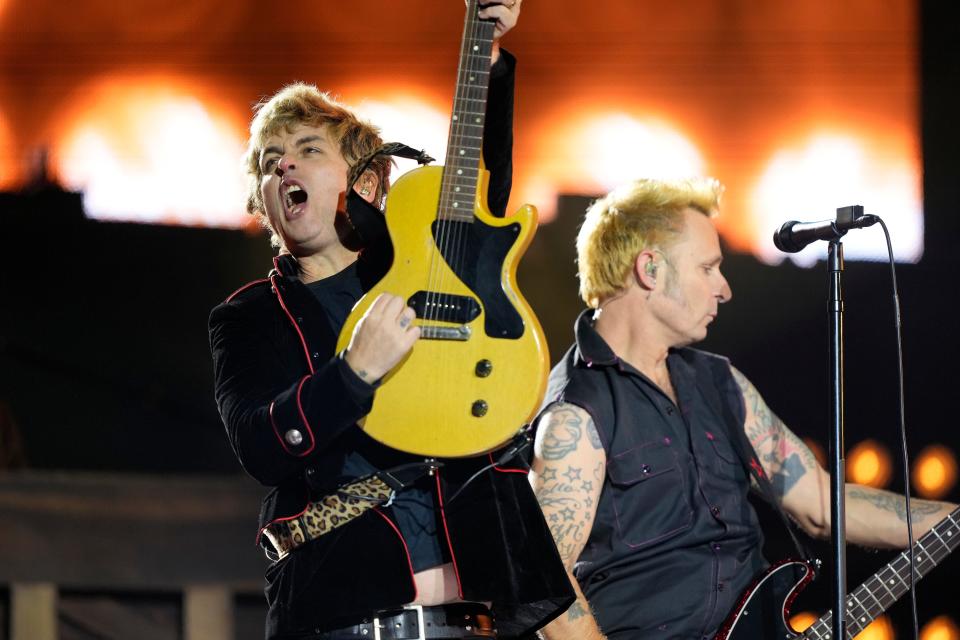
[(760, 614), (472, 249)]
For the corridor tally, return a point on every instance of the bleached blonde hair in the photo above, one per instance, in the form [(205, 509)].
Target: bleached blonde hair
[(640, 215)]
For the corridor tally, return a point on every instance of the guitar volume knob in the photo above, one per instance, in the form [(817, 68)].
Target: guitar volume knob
[(479, 408), (484, 368)]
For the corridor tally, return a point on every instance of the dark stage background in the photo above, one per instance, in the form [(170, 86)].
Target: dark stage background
[(105, 367)]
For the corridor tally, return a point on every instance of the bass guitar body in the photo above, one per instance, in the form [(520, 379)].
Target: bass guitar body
[(763, 609), (479, 370)]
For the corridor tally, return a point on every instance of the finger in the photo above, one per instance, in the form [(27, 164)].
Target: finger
[(506, 19), (407, 316), (393, 307), (379, 303)]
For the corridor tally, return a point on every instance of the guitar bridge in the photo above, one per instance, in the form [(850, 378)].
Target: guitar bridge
[(432, 332)]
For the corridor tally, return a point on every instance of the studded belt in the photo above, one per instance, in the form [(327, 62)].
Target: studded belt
[(415, 622)]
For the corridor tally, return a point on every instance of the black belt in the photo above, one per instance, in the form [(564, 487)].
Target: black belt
[(414, 622)]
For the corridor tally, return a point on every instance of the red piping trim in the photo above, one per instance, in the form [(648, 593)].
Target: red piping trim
[(276, 429), (283, 519), (502, 470), (306, 423), (413, 580), (303, 341), (446, 531), (244, 288)]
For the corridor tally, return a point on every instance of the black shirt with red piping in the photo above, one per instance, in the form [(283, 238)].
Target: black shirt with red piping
[(275, 371)]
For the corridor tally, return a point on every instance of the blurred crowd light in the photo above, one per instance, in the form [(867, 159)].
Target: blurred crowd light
[(940, 628), (869, 463), (802, 621), (935, 472)]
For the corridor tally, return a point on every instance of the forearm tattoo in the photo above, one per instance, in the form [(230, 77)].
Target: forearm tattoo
[(563, 486), (897, 504), (576, 611), (784, 455)]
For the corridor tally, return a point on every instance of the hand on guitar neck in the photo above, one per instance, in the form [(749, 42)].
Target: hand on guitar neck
[(382, 338), (505, 12)]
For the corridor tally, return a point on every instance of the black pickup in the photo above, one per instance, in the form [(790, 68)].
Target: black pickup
[(444, 307)]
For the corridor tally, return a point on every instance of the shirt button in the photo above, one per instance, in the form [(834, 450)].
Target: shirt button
[(716, 546), (293, 437), (669, 410), (715, 511), (720, 586)]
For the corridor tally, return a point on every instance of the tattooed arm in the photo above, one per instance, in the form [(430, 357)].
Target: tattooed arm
[(567, 476), (875, 518)]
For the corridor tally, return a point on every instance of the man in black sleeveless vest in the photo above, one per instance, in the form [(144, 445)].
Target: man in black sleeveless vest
[(646, 447)]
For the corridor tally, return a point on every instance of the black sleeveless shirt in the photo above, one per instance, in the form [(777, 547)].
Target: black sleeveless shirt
[(675, 541)]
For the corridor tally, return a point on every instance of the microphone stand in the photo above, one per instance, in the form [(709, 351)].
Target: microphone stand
[(838, 520)]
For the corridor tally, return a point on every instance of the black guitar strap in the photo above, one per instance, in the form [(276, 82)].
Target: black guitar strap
[(723, 383)]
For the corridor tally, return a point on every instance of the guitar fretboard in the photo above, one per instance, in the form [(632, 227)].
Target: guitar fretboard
[(886, 586), (461, 170)]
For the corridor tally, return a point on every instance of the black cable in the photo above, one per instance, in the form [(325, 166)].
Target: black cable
[(903, 429), (521, 442)]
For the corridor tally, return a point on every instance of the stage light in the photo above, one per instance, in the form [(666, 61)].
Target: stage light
[(7, 155), (411, 120), (800, 622), (152, 150), (590, 152), (879, 629), (810, 180), (934, 472), (869, 464), (940, 628)]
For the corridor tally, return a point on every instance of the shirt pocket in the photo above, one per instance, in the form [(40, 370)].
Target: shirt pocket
[(651, 501), (726, 462)]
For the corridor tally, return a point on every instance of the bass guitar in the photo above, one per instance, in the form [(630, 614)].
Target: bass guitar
[(479, 370), (764, 609)]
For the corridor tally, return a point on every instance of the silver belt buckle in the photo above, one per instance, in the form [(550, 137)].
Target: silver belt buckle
[(421, 631), (421, 628)]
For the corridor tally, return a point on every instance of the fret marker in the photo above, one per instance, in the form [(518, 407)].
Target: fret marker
[(456, 204), (476, 48), (949, 533), (477, 120), (456, 117), (862, 620), (472, 78), (891, 579), (459, 172), (457, 189), (462, 152)]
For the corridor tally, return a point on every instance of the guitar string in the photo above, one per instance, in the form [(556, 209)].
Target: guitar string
[(447, 223), (435, 279), (898, 565)]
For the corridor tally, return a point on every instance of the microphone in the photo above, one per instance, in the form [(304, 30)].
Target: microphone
[(793, 236)]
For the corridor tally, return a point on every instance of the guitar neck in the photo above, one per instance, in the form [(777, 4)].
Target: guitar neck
[(885, 587), (461, 171)]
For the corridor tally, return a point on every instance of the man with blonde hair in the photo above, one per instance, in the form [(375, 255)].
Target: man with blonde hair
[(646, 448), (365, 541)]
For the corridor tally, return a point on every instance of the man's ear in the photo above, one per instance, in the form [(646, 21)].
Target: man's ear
[(645, 269), (367, 186)]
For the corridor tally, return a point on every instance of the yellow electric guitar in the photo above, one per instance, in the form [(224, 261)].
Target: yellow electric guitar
[(478, 372)]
